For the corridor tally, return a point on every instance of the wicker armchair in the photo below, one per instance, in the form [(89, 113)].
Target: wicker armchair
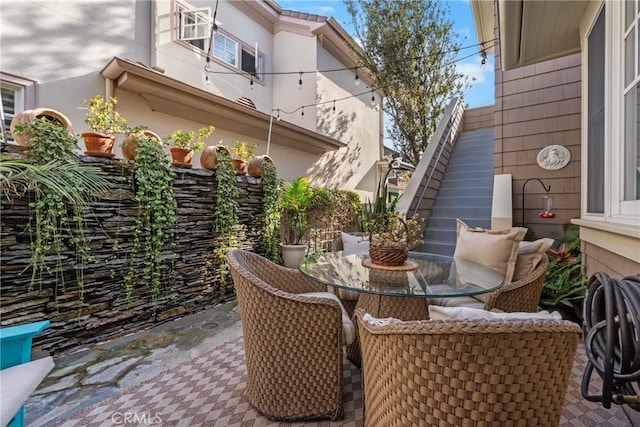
[(293, 343), (520, 296), (466, 373)]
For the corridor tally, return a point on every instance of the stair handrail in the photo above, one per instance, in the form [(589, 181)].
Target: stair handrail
[(446, 131)]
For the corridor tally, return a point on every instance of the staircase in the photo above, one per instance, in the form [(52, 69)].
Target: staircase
[(466, 191)]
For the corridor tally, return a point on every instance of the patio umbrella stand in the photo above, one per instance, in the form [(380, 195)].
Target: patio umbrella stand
[(612, 339)]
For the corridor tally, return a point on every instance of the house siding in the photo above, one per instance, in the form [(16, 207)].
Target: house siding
[(478, 118), (536, 106)]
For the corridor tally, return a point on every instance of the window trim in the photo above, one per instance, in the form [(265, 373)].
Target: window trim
[(616, 210), (25, 92), (180, 6), (198, 13)]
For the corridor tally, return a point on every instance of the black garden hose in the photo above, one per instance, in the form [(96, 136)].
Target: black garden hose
[(612, 339)]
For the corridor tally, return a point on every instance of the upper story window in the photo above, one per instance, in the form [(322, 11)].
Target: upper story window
[(194, 27), (225, 49)]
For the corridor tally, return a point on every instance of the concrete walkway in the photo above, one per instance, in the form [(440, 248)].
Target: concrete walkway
[(90, 374)]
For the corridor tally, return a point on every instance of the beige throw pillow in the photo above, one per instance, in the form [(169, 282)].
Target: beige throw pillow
[(495, 249), (529, 255), (353, 244)]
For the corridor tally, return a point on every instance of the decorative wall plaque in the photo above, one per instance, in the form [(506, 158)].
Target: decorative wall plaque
[(553, 157)]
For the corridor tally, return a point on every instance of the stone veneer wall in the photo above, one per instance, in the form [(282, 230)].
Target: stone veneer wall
[(106, 312)]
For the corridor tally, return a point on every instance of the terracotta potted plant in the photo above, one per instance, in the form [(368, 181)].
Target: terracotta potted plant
[(209, 156), (241, 153), (184, 143), (29, 116), (254, 167), (129, 144), (105, 122), (295, 198)]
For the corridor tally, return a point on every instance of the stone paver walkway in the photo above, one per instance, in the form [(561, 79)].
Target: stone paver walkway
[(91, 374)]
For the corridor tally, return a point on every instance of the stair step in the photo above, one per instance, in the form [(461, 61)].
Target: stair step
[(450, 222), (465, 191), (479, 183), (463, 201), (459, 212), (469, 175), (440, 234), (441, 248), (470, 167)]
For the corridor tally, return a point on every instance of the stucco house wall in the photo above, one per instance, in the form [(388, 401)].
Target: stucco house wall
[(64, 46)]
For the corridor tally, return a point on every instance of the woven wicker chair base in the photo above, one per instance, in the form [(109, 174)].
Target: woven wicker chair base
[(293, 343), (466, 373), (522, 295), (402, 308)]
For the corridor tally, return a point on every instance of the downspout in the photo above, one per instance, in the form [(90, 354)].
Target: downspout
[(153, 56)]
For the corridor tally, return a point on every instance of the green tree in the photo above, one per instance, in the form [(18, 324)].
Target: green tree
[(410, 49)]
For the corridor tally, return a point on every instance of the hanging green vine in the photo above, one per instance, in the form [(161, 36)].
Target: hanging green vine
[(60, 192), (156, 221), (225, 216), (270, 246)]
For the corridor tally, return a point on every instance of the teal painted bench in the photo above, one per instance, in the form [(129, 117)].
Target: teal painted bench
[(20, 376)]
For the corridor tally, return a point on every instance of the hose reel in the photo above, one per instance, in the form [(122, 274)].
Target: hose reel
[(611, 329)]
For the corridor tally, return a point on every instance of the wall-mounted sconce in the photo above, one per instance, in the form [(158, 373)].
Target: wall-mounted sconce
[(547, 200)]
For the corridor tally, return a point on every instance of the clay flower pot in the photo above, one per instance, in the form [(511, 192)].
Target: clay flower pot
[(181, 157), (28, 116), (98, 144), (209, 156), (129, 145), (239, 165), (254, 168)]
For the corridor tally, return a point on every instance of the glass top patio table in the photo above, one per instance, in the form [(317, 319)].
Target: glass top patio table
[(435, 276)]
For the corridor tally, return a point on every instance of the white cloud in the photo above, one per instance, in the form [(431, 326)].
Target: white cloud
[(473, 69)]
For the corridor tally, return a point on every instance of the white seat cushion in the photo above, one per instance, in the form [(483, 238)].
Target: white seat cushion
[(457, 302), (348, 328), (466, 313), (353, 244), (18, 382)]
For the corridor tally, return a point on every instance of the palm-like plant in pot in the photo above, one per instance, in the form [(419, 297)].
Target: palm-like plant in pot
[(105, 122), (184, 143), (296, 196)]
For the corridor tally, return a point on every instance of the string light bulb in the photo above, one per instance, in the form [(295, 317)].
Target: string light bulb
[(278, 115), (373, 98), (302, 111), (300, 81), (416, 70), (251, 83), (483, 62), (334, 105), (357, 79), (206, 80)]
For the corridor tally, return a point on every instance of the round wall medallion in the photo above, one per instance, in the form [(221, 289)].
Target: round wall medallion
[(553, 157)]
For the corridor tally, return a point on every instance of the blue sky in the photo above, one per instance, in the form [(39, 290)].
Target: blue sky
[(482, 88)]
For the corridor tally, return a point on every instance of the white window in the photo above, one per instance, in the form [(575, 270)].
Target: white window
[(225, 49), (14, 100), (195, 26), (612, 120), (631, 150)]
